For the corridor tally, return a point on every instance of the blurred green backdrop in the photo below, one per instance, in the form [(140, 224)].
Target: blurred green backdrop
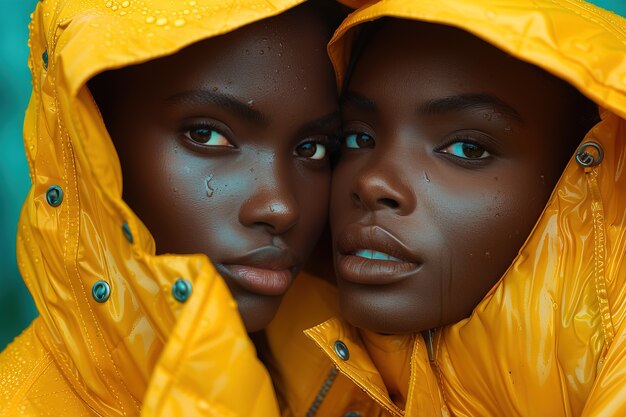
[(618, 6), (16, 306)]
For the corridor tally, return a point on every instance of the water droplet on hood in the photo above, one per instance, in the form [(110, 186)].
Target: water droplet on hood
[(203, 405), (583, 46)]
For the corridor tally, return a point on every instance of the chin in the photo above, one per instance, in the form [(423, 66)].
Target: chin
[(380, 313), (257, 311)]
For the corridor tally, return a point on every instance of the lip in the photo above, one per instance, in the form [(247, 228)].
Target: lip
[(267, 270), (359, 270)]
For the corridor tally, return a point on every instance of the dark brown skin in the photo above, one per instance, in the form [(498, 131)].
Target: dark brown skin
[(222, 151), (451, 153)]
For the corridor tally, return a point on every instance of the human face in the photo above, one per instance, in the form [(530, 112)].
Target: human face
[(224, 151), (451, 151)]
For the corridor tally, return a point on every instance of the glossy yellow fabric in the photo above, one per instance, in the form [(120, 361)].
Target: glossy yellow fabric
[(141, 346), (550, 338)]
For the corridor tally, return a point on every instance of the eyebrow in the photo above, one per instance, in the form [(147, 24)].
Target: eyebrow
[(442, 105), (469, 102), (204, 97)]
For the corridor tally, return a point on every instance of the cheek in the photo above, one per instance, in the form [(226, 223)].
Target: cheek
[(477, 227), (483, 231), (487, 210)]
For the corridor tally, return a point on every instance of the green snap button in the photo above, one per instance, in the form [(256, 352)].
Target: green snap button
[(342, 350), (127, 233), (44, 58), (101, 291), (54, 196), (181, 290)]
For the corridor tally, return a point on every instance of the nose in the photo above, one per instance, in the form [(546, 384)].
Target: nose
[(272, 205), (383, 188)]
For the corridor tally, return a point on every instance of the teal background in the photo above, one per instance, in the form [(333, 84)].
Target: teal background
[(16, 306), (617, 6)]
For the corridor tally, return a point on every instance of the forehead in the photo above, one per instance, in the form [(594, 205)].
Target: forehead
[(429, 55), (273, 54)]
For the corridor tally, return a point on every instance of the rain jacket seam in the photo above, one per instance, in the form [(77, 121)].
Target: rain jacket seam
[(591, 10), (599, 260)]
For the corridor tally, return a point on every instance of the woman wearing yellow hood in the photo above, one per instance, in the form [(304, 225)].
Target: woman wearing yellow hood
[(222, 114), (478, 209)]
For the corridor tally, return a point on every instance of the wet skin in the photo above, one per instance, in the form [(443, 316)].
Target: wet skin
[(452, 149), (223, 148)]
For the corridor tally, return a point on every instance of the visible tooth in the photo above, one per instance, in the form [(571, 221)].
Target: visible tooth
[(379, 255), (372, 254)]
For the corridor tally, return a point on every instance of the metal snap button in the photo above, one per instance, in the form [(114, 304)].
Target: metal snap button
[(44, 58), (342, 350), (54, 196), (101, 291), (589, 154), (127, 233), (181, 290)]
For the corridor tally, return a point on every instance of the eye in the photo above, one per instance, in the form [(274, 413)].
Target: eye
[(205, 135), (466, 150), (311, 150), (359, 141)]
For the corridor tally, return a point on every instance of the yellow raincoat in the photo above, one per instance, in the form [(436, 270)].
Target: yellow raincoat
[(550, 338), (137, 351)]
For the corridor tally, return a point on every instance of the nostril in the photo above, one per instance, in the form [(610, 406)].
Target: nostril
[(388, 202), (356, 199)]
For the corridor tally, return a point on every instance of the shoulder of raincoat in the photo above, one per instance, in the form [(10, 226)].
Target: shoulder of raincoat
[(111, 340), (549, 339)]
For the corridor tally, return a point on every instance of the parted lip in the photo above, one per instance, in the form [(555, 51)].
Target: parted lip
[(365, 271), (355, 237)]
